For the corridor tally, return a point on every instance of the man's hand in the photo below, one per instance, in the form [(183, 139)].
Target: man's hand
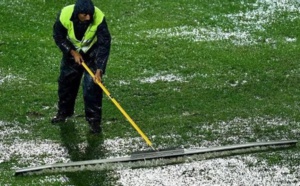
[(97, 76), (77, 57)]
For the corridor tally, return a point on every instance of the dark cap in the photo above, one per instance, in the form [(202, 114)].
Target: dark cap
[(84, 7)]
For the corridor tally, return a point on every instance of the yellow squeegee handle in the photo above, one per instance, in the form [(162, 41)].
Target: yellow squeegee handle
[(119, 107)]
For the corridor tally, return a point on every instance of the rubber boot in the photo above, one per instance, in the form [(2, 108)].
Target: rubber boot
[(95, 127), (60, 118)]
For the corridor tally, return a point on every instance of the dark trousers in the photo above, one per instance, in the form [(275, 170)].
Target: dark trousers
[(68, 85)]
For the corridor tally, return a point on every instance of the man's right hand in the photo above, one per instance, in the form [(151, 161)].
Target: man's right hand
[(77, 57)]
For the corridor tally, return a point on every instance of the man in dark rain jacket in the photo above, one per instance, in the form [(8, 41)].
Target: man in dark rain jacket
[(81, 33)]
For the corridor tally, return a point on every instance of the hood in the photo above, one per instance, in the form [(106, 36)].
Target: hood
[(84, 7)]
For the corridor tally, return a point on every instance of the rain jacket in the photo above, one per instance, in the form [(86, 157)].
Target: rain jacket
[(92, 39)]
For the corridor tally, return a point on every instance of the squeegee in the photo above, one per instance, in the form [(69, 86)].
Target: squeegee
[(157, 158)]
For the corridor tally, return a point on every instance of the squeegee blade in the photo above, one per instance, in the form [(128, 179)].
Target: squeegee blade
[(157, 154)]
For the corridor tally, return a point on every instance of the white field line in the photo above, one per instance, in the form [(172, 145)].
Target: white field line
[(162, 77)]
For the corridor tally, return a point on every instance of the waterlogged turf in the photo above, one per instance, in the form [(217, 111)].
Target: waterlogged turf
[(191, 74)]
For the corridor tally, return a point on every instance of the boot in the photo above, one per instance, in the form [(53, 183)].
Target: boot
[(95, 127), (60, 118)]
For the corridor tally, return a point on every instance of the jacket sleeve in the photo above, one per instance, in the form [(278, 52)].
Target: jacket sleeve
[(103, 43), (60, 37)]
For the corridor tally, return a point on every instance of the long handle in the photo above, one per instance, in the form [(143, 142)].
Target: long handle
[(119, 107)]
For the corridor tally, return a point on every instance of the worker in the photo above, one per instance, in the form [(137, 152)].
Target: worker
[(81, 33)]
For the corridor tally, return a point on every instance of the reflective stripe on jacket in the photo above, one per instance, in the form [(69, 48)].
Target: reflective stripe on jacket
[(89, 37)]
